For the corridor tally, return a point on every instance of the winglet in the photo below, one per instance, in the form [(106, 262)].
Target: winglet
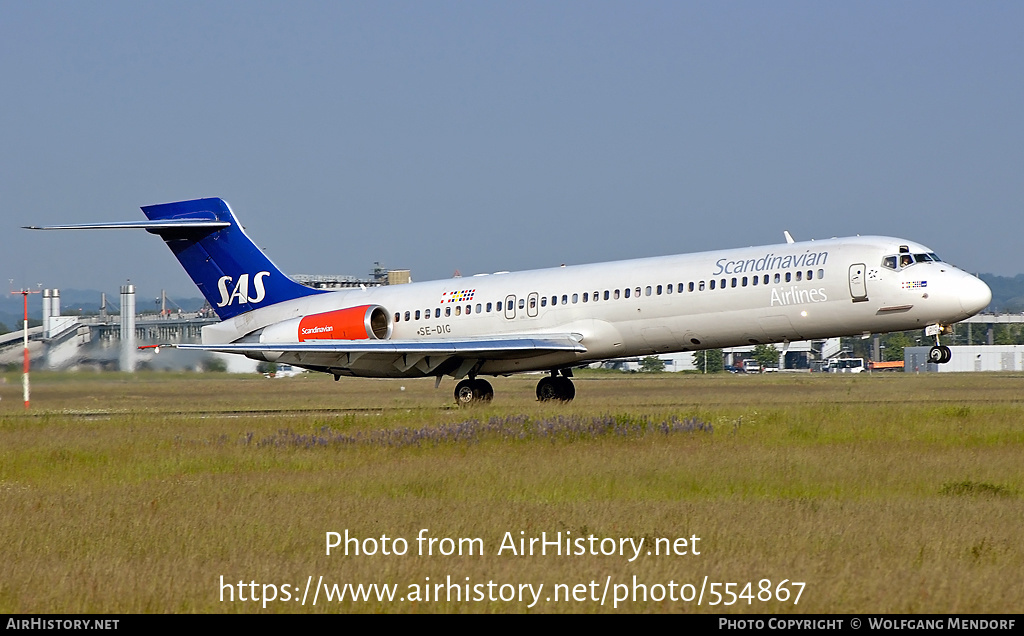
[(789, 237)]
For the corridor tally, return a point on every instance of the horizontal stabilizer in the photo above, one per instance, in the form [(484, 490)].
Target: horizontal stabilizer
[(169, 224), (234, 275)]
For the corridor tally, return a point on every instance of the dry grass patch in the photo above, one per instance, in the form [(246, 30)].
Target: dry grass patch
[(884, 494)]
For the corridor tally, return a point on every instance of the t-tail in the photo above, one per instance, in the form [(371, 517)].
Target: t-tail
[(233, 274)]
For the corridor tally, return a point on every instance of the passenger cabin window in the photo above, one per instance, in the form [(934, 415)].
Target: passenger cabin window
[(544, 301), (447, 312), (407, 316), (627, 292), (586, 296), (469, 309), (398, 317), (417, 314), (458, 310), (575, 298), (755, 280), (638, 292), (617, 294), (701, 286), (488, 307), (821, 274), (712, 283), (606, 294), (799, 276), (522, 303)]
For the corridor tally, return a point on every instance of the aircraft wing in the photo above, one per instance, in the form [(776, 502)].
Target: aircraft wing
[(427, 355)]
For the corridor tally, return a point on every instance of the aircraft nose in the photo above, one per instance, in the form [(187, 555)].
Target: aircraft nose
[(975, 295)]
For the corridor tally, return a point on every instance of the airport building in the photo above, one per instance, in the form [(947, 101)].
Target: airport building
[(966, 358), (110, 341)]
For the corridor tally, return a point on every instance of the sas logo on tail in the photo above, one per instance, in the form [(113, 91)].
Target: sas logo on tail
[(240, 292)]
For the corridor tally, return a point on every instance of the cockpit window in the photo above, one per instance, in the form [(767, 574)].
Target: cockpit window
[(905, 259)]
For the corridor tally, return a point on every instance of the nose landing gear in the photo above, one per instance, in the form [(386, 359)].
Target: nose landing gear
[(940, 353)]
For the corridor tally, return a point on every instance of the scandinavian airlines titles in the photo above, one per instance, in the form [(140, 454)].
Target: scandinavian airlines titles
[(241, 289), (794, 295), (770, 262)]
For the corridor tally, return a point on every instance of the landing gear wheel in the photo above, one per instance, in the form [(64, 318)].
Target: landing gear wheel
[(566, 389), (485, 391), (473, 391), (547, 390), (940, 354), (555, 388), (464, 393)]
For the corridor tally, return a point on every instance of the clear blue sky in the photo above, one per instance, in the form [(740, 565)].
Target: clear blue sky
[(485, 136)]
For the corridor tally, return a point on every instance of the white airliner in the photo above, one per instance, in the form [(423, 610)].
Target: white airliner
[(557, 319)]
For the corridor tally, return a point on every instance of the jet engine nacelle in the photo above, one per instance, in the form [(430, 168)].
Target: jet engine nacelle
[(352, 323)]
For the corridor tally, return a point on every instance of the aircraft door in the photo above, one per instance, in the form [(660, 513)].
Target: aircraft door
[(531, 304), (510, 307), (858, 286)]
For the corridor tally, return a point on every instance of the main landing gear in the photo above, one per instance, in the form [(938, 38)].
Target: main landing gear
[(473, 391), (556, 387)]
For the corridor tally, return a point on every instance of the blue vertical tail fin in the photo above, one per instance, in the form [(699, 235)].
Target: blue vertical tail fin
[(229, 269)]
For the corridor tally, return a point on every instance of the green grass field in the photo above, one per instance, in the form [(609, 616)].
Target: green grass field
[(884, 493)]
